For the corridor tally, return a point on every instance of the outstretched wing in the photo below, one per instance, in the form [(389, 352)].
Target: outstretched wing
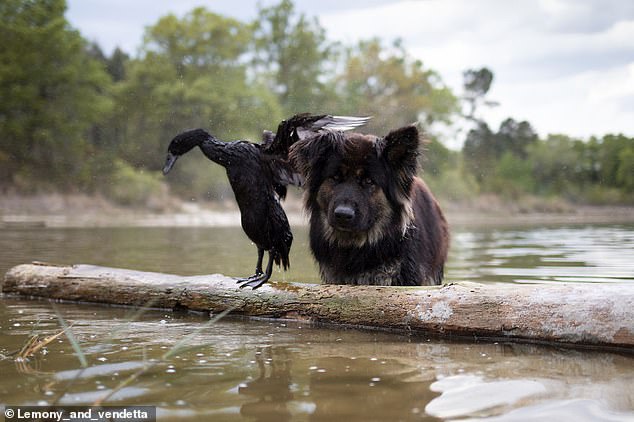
[(298, 127), (305, 125), (342, 123)]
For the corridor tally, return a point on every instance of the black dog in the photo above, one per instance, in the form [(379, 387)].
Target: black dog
[(372, 221)]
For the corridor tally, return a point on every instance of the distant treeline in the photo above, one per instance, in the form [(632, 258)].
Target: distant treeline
[(73, 119)]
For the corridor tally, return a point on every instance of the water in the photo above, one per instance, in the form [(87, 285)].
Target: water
[(593, 253), (279, 370)]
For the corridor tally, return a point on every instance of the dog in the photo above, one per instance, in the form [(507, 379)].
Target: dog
[(372, 220)]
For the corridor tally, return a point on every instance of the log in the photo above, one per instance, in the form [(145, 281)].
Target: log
[(594, 315)]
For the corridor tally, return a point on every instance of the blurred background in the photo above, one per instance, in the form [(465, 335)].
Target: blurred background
[(528, 102)]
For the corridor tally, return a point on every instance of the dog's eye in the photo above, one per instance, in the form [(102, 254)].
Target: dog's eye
[(368, 182)]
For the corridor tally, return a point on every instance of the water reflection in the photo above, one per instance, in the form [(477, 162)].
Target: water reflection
[(272, 371), (544, 254)]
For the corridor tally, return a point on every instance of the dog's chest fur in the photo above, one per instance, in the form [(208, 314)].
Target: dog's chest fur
[(384, 275)]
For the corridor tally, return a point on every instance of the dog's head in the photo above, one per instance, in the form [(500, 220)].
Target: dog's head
[(358, 185)]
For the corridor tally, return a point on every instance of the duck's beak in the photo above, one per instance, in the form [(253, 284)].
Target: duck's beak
[(169, 162)]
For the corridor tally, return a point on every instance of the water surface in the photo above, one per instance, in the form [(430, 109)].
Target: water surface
[(586, 253), (241, 369), (276, 371)]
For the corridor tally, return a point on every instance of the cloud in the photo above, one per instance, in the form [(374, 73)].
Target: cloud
[(564, 65)]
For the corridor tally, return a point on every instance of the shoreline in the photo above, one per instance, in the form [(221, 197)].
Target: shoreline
[(80, 211)]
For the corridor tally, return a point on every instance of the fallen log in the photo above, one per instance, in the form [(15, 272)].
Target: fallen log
[(563, 313)]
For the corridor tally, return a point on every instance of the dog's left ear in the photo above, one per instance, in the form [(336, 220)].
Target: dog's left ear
[(400, 150)]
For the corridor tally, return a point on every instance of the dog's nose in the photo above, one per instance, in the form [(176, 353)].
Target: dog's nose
[(344, 213)]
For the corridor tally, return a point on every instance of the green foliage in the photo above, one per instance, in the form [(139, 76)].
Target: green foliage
[(625, 170), (291, 55), (476, 84), (483, 149), (390, 85), (557, 164), (52, 92), (129, 186), (190, 75), (74, 118), (512, 177)]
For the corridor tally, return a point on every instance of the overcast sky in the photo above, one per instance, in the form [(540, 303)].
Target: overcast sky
[(566, 66)]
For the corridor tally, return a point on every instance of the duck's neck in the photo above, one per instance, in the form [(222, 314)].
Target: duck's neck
[(214, 149)]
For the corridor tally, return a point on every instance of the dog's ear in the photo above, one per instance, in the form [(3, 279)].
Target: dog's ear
[(400, 150)]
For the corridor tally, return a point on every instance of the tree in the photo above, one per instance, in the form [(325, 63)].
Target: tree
[(514, 137), (483, 148), (192, 73), (476, 84), (479, 151), (625, 171), (291, 54), (392, 86), (52, 91), (557, 164)]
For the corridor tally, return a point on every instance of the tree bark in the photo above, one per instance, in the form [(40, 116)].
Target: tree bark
[(600, 315)]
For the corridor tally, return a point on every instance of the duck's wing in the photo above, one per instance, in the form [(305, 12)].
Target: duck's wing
[(305, 125), (283, 175), (298, 127), (341, 123)]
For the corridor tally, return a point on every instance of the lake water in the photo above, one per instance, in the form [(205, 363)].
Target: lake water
[(238, 369)]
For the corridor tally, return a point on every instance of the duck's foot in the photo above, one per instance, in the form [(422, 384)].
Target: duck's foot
[(255, 281)]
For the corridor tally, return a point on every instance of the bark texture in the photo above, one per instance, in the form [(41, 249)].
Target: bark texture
[(572, 313)]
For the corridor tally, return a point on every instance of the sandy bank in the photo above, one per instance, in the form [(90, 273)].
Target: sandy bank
[(83, 211)]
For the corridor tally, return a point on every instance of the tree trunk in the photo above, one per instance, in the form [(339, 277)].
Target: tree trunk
[(600, 315)]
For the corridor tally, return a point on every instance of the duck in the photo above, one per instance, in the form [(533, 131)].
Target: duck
[(259, 175)]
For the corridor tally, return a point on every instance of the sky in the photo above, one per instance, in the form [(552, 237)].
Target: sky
[(566, 66)]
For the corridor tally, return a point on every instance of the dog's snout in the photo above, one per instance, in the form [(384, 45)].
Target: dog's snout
[(344, 213)]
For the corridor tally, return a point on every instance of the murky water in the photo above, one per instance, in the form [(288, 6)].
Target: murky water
[(593, 253), (236, 369)]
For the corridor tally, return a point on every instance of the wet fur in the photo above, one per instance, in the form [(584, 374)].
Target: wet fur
[(398, 236)]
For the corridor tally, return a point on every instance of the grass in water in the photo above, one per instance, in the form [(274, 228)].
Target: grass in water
[(177, 348)]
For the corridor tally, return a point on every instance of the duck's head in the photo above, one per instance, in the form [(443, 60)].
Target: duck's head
[(181, 144)]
